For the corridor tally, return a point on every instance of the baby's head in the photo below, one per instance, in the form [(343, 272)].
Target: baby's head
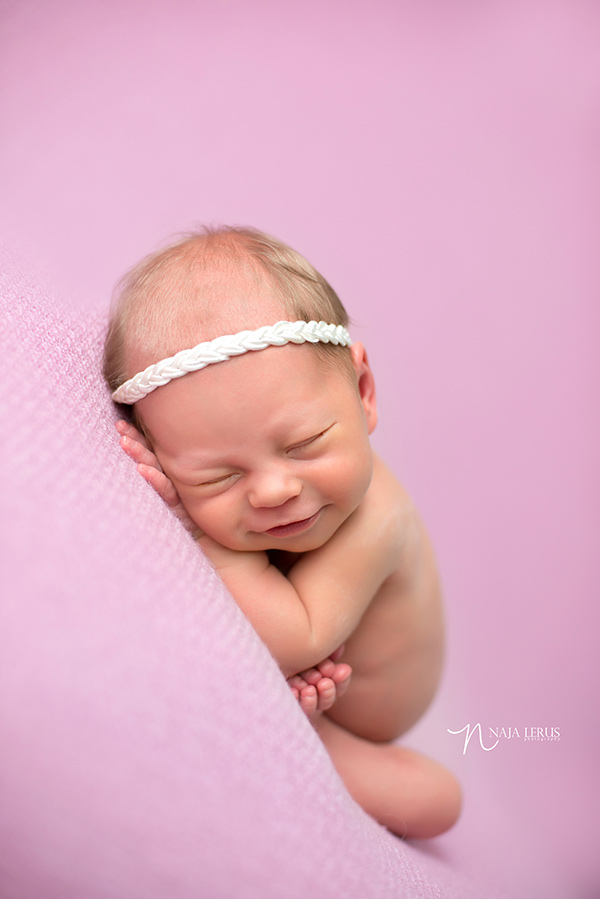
[(210, 283), (217, 431)]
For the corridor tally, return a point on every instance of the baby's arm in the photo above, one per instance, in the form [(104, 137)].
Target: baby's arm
[(306, 615), (316, 688)]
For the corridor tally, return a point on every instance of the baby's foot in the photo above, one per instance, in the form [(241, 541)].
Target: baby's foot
[(316, 689)]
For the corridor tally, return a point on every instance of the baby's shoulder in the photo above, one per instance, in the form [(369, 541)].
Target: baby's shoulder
[(385, 488), (387, 501)]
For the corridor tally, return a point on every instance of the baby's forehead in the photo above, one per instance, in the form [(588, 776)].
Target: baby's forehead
[(225, 300), (183, 314), (274, 394)]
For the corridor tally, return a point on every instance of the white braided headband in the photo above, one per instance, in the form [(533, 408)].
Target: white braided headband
[(222, 348)]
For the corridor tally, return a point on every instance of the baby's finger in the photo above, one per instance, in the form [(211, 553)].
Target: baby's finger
[(341, 674), (342, 685), (311, 676), (126, 429), (139, 453), (161, 484), (327, 694), (309, 701), (326, 668)]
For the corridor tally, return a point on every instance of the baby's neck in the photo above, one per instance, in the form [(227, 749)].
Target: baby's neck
[(282, 559)]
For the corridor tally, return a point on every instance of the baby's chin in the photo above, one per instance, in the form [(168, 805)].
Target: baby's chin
[(300, 543), (297, 543)]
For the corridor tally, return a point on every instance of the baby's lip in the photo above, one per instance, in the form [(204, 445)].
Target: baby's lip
[(293, 527)]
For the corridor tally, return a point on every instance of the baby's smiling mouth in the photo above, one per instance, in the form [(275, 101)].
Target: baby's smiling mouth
[(293, 527)]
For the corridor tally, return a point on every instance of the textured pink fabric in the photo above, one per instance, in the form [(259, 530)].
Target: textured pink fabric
[(149, 744)]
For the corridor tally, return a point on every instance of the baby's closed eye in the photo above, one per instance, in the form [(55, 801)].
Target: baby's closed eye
[(309, 442), (220, 478), (215, 484)]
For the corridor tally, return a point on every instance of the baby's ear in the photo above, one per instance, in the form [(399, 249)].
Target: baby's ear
[(366, 384)]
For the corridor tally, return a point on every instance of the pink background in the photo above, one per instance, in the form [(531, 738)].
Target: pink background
[(438, 162)]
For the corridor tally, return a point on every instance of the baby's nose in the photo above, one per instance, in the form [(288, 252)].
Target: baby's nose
[(273, 488)]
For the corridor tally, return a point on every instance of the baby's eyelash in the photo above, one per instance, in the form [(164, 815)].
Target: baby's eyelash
[(220, 480), (305, 442), (309, 440)]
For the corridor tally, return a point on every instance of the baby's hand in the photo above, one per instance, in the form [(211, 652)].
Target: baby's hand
[(137, 448), (316, 689)]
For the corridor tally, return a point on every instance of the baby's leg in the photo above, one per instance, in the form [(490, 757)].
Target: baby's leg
[(408, 793)]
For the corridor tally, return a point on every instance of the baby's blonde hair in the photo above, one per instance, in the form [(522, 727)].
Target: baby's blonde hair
[(168, 299)]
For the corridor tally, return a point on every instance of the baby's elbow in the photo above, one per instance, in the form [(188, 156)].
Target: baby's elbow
[(303, 656)]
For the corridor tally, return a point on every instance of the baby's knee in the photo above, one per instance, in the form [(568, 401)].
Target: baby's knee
[(450, 804), (441, 803), (424, 797)]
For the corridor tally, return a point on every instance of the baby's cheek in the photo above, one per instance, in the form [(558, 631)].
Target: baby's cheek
[(349, 480), (214, 518), (194, 508)]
